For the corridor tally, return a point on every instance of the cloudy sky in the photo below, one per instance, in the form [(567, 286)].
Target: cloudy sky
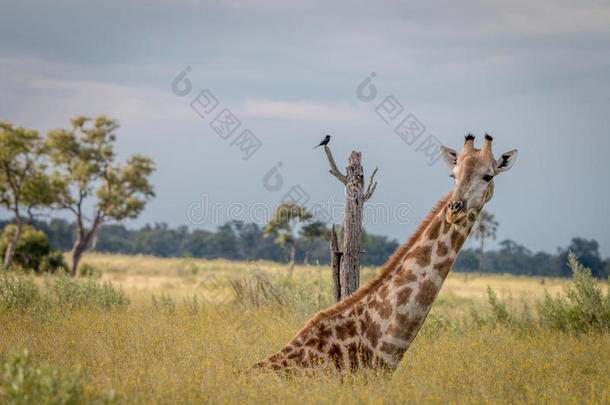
[(535, 75)]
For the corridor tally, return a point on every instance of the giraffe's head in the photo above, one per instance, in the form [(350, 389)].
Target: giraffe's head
[(473, 170)]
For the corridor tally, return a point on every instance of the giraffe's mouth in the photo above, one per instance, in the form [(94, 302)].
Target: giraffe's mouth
[(457, 218)]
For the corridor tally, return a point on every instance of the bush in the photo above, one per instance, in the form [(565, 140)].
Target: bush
[(583, 306), (22, 382), (498, 308), (33, 245), (33, 250), (71, 293), (164, 304), (53, 262), (87, 270), (17, 293)]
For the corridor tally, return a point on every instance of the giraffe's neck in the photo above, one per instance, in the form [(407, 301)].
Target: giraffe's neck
[(376, 324), (404, 297)]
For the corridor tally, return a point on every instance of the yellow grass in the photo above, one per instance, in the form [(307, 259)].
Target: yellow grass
[(188, 354)]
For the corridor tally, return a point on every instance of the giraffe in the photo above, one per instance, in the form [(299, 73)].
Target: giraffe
[(373, 327)]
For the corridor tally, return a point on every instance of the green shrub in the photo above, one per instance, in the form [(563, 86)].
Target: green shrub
[(70, 293), (22, 382), (583, 306), (53, 262), (17, 292), (32, 251), (437, 322), (164, 304), (87, 270), (33, 245), (498, 308)]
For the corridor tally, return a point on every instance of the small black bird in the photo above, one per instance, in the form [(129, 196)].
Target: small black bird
[(325, 141)]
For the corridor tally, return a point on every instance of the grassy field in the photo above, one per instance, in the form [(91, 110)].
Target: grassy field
[(191, 323)]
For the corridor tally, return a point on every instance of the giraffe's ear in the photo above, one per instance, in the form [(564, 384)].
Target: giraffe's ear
[(449, 156), (506, 161)]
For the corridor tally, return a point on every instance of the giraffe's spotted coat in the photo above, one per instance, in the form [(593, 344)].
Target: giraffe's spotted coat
[(375, 326), (441, 249)]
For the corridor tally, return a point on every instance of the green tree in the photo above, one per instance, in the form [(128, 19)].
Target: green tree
[(587, 252), (282, 227), (484, 228), (24, 186), (310, 232), (85, 160)]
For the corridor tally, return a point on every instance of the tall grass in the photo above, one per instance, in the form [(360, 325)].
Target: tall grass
[(182, 343), (24, 382)]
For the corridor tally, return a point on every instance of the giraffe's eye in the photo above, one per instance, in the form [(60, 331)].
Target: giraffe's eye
[(488, 177)]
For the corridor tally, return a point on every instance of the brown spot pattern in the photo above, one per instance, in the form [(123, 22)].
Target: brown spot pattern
[(421, 254), (457, 239), (444, 267), (274, 358), (323, 331), (336, 356), (317, 343), (393, 350), (352, 356), (366, 356), (383, 292), (346, 330), (404, 326), (314, 359), (372, 331), (384, 308), (441, 248), (427, 293), (404, 277), (403, 296)]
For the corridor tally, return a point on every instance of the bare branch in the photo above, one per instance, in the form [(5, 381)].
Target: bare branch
[(333, 166), (69, 207), (371, 187)]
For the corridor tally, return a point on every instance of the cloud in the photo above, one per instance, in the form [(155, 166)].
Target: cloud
[(300, 110), (44, 95)]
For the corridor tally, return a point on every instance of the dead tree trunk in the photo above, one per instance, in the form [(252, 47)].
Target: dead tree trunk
[(355, 196), (335, 264)]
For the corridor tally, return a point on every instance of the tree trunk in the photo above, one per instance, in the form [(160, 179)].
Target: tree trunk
[(77, 252), (335, 264), (12, 245), (293, 252), (82, 240), (355, 196), (481, 256), (93, 242), (352, 227)]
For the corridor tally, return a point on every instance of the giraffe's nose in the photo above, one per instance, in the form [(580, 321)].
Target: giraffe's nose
[(457, 206)]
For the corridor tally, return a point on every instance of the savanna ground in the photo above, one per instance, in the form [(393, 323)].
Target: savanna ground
[(176, 330)]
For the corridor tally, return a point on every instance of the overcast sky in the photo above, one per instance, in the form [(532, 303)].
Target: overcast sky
[(535, 75)]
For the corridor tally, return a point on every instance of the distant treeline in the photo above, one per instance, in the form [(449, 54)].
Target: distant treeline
[(233, 240), (239, 241)]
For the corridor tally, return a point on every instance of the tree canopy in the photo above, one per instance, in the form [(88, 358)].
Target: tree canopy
[(85, 166)]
